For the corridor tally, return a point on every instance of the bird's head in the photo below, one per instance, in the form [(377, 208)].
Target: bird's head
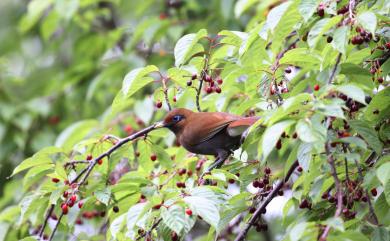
[(175, 120)]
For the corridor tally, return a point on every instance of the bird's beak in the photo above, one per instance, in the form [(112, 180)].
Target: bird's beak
[(159, 124)]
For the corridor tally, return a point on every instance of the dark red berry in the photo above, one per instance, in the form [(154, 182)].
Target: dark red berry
[(219, 81), (295, 135), (55, 180), (65, 195), (279, 144), (89, 157), (218, 90), (189, 83), (325, 195), (80, 204), (287, 70), (374, 192), (231, 180), (157, 206), (174, 236), (159, 104), (252, 210), (280, 192), (304, 204), (329, 39), (115, 209), (153, 157), (321, 12), (299, 169), (194, 76), (64, 208), (267, 170), (380, 80), (174, 99), (209, 90), (208, 78)]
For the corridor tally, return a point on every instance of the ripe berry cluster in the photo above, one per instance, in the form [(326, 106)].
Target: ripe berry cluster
[(363, 36)]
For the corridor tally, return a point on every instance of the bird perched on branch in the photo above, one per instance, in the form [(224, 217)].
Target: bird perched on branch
[(208, 133)]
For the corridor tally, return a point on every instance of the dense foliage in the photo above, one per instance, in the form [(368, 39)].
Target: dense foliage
[(315, 166)]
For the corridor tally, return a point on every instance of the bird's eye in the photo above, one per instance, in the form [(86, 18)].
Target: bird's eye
[(177, 118)]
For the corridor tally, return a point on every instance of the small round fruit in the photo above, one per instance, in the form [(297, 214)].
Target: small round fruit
[(208, 78), (89, 157), (80, 204), (316, 87), (218, 90), (64, 208), (159, 104), (194, 76), (329, 39), (73, 198), (153, 157), (231, 180), (209, 90), (287, 70), (55, 180), (267, 170), (299, 169), (115, 209), (189, 83), (279, 144), (219, 81), (188, 212), (65, 195), (100, 161), (374, 192)]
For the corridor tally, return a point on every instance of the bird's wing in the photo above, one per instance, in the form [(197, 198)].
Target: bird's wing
[(237, 127), (212, 124)]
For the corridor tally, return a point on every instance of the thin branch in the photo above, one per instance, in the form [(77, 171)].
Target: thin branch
[(201, 77), (332, 75), (256, 215), (93, 163), (151, 229), (339, 192), (165, 90), (72, 163), (48, 215), (346, 163), (370, 207)]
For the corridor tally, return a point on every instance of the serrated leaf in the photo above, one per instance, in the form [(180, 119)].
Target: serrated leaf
[(137, 79), (103, 195), (353, 92), (300, 57), (174, 217), (304, 155), (271, 136), (75, 132), (204, 208), (307, 8), (368, 21), (319, 28), (340, 39), (185, 45), (368, 134)]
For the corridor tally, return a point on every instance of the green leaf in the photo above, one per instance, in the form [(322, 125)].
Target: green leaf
[(306, 132), (137, 79), (368, 21), (307, 8), (382, 210), (340, 39), (271, 136), (75, 133), (380, 234), (103, 195), (353, 92), (319, 29), (368, 134), (174, 217), (383, 173), (300, 57), (304, 155), (380, 103), (204, 208), (134, 215), (243, 5), (117, 224), (185, 47)]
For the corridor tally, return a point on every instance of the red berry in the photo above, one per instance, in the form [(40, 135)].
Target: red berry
[(380, 80), (252, 210), (219, 81), (209, 90), (80, 204), (100, 161), (287, 70), (55, 180), (279, 144), (189, 83), (153, 157), (79, 221), (174, 236), (188, 212), (128, 129), (208, 78), (295, 135), (316, 87), (299, 169), (157, 206), (64, 208), (374, 192), (280, 193), (182, 171), (304, 204), (218, 90), (54, 120), (65, 195), (174, 99), (73, 198), (231, 180), (159, 104), (115, 209), (163, 16), (387, 45), (321, 11), (89, 157), (329, 39), (194, 76), (267, 170)]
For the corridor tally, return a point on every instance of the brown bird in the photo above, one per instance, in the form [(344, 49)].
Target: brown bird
[(208, 133)]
